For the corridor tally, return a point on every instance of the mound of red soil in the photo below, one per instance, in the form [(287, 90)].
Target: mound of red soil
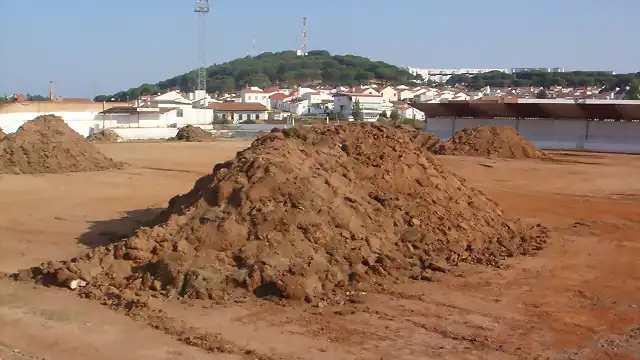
[(308, 213), (431, 143), (493, 141), (48, 145), (192, 133), (104, 136)]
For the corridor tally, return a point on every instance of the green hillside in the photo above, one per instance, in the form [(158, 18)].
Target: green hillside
[(283, 68)]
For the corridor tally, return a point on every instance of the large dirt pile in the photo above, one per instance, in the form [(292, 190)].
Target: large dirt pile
[(104, 136), (492, 141), (192, 133), (307, 213), (48, 145)]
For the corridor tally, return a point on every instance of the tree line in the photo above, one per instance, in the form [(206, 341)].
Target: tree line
[(284, 68), (607, 80), (7, 99)]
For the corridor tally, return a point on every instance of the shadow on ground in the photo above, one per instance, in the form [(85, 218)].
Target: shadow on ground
[(108, 231)]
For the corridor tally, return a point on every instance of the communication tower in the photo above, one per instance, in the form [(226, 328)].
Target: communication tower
[(202, 9), (303, 46)]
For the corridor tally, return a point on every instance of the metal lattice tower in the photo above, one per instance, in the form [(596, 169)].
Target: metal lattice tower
[(303, 48), (202, 9)]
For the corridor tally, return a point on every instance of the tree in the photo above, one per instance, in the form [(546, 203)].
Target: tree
[(432, 83), (30, 97), (217, 119), (633, 93), (356, 111), (259, 80), (545, 79), (384, 114), (542, 94), (394, 116), (477, 83)]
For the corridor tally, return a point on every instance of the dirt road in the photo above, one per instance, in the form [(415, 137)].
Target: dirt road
[(578, 299)]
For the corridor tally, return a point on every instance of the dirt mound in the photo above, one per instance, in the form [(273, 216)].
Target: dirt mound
[(104, 136), (48, 145), (492, 141), (192, 133), (2, 134), (431, 143), (307, 213)]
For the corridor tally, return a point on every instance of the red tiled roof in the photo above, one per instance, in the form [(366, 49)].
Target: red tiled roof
[(279, 96), (272, 89), (250, 91)]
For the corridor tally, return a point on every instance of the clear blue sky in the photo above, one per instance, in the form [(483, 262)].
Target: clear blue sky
[(92, 47)]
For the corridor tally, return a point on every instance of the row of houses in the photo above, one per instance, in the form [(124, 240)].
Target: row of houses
[(176, 109)]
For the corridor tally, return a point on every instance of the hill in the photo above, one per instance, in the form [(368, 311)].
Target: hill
[(281, 68)]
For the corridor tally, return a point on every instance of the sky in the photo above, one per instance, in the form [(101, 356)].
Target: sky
[(91, 47)]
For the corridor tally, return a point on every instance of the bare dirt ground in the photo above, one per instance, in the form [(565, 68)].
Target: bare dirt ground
[(577, 299)]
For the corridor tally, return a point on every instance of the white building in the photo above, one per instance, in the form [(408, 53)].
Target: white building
[(81, 116), (389, 94), (237, 112), (549, 70), (276, 101), (254, 95), (297, 106), (442, 75), (404, 94), (407, 112), (151, 117), (371, 105)]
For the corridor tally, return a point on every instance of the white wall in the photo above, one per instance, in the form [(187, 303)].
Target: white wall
[(146, 133), (82, 122), (165, 133), (255, 97), (609, 136)]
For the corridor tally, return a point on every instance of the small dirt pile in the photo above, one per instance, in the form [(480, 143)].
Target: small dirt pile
[(192, 133), (48, 145), (2, 134), (493, 141), (104, 136), (307, 213), (431, 143)]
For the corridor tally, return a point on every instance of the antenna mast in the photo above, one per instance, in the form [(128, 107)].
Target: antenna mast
[(202, 9), (303, 48), (254, 49)]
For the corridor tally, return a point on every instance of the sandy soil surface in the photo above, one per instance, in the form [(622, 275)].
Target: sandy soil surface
[(577, 299)]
